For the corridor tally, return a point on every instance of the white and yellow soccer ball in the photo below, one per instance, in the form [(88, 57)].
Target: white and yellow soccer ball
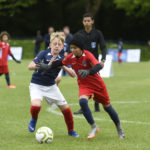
[(44, 135)]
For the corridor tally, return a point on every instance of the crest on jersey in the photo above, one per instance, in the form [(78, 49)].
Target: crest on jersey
[(84, 63), (93, 44), (36, 58)]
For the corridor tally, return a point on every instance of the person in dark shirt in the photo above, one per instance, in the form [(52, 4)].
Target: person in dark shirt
[(68, 37), (37, 41), (92, 39), (47, 37), (148, 42), (120, 48)]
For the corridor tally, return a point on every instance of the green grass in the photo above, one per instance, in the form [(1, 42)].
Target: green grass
[(129, 94)]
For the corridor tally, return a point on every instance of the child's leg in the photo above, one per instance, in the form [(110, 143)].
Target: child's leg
[(68, 117), (86, 111), (114, 116), (88, 115), (8, 81), (7, 78), (34, 110)]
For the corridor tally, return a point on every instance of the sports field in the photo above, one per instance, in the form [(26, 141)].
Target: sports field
[(129, 92)]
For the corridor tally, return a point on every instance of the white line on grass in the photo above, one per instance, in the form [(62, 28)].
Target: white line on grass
[(120, 102), (53, 110)]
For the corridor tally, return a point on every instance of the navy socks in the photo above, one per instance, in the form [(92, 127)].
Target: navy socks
[(112, 113), (7, 78), (88, 115), (86, 111)]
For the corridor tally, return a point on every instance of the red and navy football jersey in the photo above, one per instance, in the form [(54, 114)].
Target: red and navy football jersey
[(4, 52), (86, 61)]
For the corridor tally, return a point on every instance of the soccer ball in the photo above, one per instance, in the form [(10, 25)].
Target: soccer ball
[(44, 135)]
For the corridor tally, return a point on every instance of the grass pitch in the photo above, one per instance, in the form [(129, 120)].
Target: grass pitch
[(129, 91)]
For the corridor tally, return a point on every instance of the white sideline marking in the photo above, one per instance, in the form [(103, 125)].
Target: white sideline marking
[(119, 102), (53, 110)]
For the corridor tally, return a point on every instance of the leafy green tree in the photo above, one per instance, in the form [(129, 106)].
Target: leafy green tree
[(92, 6), (10, 7), (137, 8)]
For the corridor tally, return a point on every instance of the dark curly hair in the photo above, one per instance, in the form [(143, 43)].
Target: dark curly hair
[(4, 33)]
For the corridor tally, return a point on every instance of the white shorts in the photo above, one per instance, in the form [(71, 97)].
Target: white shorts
[(52, 94)]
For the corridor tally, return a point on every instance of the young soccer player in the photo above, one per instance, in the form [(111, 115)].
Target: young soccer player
[(90, 83), (43, 85), (93, 39), (4, 52)]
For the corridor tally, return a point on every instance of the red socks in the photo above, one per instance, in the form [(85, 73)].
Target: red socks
[(67, 116), (35, 111), (68, 119)]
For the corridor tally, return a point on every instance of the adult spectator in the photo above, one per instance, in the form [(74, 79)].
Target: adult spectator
[(68, 37), (120, 48), (47, 36), (148, 42), (38, 40)]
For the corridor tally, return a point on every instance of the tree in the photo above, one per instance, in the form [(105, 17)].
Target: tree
[(137, 8), (92, 6), (10, 7)]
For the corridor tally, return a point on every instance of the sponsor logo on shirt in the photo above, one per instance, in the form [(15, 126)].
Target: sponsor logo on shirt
[(36, 58), (93, 44), (84, 63)]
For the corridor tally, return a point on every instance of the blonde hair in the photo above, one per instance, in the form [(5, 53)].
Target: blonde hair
[(57, 35)]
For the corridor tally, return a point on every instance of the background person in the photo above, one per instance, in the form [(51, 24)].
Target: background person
[(68, 37), (148, 42), (37, 42), (120, 49), (47, 37), (4, 52)]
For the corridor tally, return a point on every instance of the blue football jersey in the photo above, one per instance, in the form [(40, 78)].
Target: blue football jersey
[(47, 78)]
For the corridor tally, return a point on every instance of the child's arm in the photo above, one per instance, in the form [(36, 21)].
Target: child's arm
[(17, 61), (70, 71), (32, 66)]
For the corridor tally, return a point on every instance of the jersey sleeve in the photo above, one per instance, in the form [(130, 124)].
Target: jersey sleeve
[(92, 59), (102, 44), (39, 57), (9, 51)]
